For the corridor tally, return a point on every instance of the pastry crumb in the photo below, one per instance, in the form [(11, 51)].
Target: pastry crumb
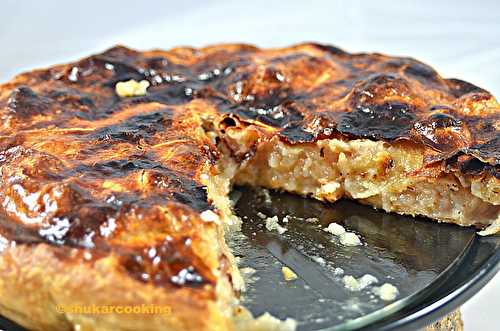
[(386, 292), (209, 216), (335, 229), (319, 260), (349, 239), (288, 274), (329, 187), (272, 224), (248, 271), (353, 284), (281, 229), (338, 271), (263, 192), (266, 322), (131, 88), (367, 280)]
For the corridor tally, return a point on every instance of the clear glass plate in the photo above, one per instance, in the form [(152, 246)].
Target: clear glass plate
[(415, 255)]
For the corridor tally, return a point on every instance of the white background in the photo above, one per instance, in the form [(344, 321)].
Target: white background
[(459, 38)]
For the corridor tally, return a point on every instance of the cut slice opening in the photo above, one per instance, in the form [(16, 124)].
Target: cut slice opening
[(387, 176)]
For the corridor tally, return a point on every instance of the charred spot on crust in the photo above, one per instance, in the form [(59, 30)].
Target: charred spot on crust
[(295, 134), (387, 121), (227, 122), (422, 72), (24, 103), (78, 229), (173, 94), (443, 132), (64, 214), (194, 196), (441, 120), (135, 128), (116, 168), (120, 51), (167, 263), (489, 150), (279, 115), (121, 71), (180, 189), (171, 185), (459, 87), (378, 88), (472, 166), (469, 164), (331, 49)]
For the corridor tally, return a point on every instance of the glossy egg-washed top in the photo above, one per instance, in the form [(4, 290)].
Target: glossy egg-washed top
[(81, 167)]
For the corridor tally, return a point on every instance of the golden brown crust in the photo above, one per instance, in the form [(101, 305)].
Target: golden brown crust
[(84, 170), (36, 283), (306, 92)]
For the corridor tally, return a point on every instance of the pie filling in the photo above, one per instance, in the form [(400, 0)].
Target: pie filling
[(387, 176)]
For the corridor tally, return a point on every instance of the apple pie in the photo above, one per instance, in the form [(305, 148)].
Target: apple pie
[(115, 170)]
